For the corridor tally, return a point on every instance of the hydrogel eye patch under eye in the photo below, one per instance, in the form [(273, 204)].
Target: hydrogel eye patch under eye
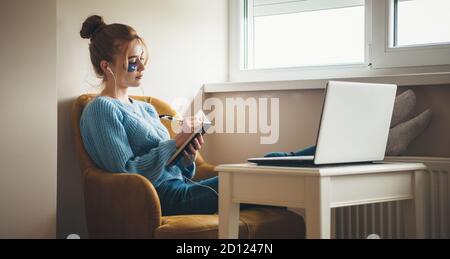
[(132, 67)]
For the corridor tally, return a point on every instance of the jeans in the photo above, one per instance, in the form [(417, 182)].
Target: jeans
[(181, 197)]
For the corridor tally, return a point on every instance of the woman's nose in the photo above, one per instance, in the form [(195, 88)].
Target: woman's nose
[(141, 66)]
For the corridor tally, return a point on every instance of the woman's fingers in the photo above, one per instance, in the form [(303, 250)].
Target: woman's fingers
[(191, 149), (196, 144), (200, 139), (186, 155)]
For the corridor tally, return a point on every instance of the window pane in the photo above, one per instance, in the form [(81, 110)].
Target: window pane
[(312, 38), (423, 22)]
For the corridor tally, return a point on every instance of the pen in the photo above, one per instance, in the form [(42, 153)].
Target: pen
[(170, 118)]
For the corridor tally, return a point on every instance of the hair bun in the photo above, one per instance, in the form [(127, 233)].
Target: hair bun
[(92, 25)]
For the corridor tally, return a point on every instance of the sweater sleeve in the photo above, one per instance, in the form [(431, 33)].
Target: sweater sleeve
[(113, 149)]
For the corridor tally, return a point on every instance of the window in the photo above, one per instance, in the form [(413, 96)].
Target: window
[(410, 33), (306, 33), (306, 39), (421, 22)]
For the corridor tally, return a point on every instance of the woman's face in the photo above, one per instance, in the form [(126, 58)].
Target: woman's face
[(132, 75)]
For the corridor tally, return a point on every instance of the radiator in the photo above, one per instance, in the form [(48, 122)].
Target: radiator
[(385, 220)]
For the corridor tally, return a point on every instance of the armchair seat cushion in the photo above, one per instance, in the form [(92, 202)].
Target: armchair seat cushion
[(254, 223)]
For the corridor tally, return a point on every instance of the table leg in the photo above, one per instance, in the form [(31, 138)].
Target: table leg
[(228, 210), (318, 212), (415, 209)]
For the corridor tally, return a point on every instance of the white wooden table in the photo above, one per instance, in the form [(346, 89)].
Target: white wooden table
[(318, 190)]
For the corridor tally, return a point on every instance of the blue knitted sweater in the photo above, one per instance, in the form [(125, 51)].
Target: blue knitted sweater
[(130, 138)]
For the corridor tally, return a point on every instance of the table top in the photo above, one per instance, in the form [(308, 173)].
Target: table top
[(323, 170)]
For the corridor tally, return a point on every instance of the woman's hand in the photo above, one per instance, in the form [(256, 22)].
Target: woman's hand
[(190, 153)]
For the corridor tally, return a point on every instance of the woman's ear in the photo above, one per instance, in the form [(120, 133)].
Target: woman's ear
[(104, 65)]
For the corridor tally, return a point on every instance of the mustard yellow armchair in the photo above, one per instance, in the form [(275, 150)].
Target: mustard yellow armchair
[(127, 205)]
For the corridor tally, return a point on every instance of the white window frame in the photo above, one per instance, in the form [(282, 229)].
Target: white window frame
[(386, 55), (380, 59)]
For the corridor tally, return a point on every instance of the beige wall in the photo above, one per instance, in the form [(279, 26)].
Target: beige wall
[(188, 43), (299, 121), (28, 119)]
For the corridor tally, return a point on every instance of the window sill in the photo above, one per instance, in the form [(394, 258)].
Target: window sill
[(427, 79)]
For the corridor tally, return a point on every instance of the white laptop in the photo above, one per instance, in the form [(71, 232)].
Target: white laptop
[(354, 126)]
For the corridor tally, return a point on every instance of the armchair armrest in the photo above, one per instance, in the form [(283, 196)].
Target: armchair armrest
[(120, 205), (204, 171)]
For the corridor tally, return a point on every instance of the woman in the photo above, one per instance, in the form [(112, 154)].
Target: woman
[(125, 135)]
